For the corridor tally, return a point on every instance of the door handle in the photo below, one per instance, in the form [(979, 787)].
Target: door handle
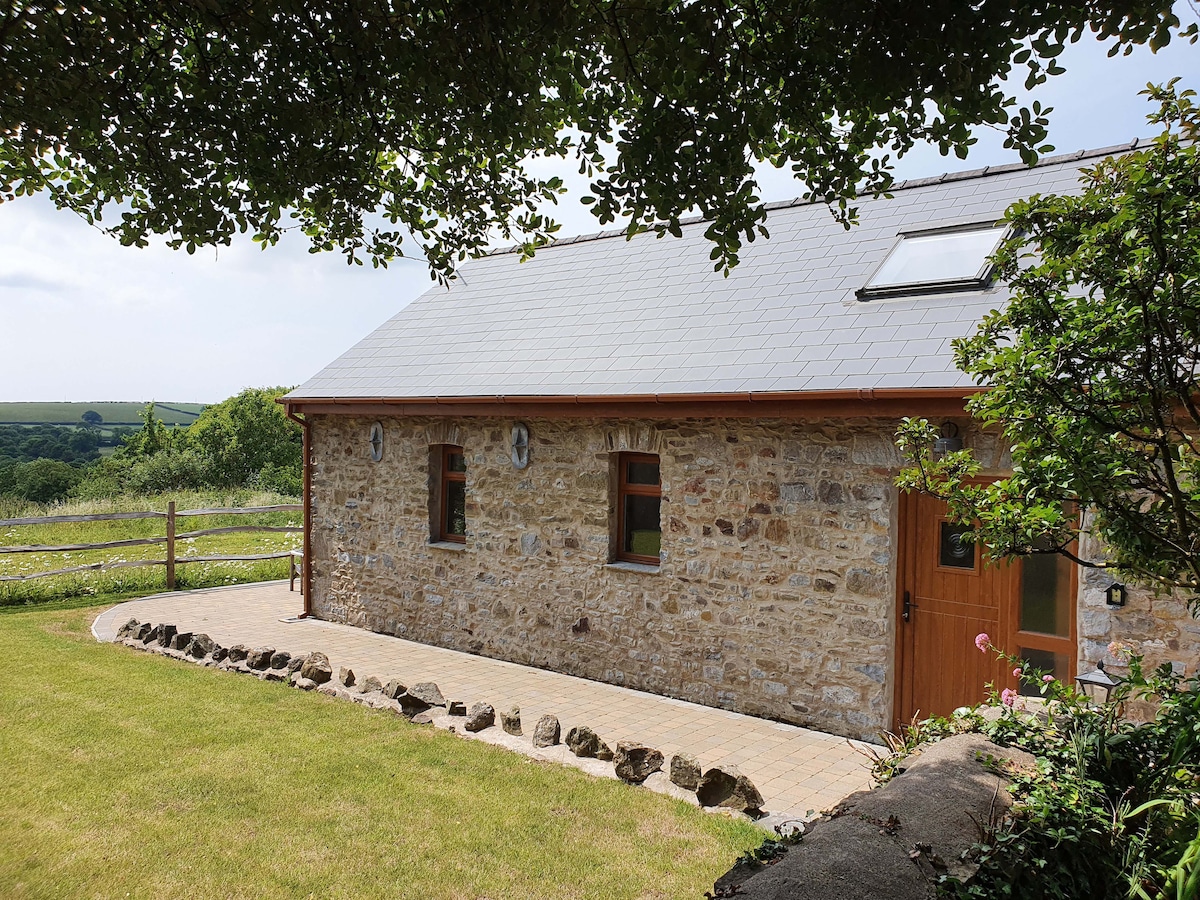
[(909, 606)]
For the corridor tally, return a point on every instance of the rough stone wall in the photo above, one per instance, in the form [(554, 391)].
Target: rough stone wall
[(1159, 627), (775, 596)]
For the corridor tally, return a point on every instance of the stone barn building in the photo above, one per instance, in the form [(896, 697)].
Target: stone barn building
[(614, 462)]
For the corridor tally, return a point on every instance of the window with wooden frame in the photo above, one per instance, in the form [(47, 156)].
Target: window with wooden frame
[(449, 518), (639, 506)]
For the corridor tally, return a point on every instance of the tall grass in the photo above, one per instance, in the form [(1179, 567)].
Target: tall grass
[(147, 579)]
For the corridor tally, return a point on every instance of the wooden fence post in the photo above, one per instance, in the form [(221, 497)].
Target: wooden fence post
[(171, 545)]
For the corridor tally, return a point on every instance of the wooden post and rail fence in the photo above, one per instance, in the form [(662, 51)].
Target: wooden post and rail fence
[(170, 561)]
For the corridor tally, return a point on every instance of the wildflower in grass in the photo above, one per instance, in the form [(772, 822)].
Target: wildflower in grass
[(982, 641)]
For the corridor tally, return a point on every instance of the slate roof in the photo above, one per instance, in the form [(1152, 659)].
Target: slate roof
[(599, 315)]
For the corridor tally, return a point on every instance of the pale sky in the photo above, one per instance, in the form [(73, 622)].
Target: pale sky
[(83, 318)]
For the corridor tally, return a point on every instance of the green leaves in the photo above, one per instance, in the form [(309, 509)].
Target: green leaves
[(1092, 370), (203, 120)]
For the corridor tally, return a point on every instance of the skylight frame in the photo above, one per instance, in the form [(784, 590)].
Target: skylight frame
[(980, 281)]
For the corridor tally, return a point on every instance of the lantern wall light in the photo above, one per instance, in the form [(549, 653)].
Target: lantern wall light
[(1115, 594), (949, 442), (1097, 685)]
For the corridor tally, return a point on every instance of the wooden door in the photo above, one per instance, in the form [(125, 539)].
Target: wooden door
[(949, 592), (948, 597)]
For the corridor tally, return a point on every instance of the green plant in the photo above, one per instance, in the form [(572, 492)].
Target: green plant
[(889, 763), (1114, 806)]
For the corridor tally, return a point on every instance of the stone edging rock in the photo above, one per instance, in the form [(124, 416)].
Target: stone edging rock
[(721, 787)]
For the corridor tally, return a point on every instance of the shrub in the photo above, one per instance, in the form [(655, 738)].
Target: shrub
[(44, 480), (285, 479), (1114, 808)]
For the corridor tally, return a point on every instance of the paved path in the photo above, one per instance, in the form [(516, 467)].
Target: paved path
[(796, 769)]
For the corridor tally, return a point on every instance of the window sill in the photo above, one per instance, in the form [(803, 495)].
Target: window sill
[(644, 568), (448, 545)]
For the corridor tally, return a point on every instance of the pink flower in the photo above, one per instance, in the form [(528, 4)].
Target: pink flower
[(1008, 697), (1017, 672), (1047, 678), (982, 640)]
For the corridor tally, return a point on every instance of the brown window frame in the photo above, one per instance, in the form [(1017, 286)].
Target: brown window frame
[(624, 489), (445, 478)]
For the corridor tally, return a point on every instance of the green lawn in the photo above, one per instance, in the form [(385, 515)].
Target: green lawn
[(132, 775), (150, 578)]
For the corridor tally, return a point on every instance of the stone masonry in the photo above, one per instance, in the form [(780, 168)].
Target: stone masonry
[(775, 595)]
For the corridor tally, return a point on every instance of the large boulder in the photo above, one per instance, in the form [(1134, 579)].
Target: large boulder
[(479, 717), (685, 771), (584, 742), (547, 731), (727, 787), (511, 721), (143, 633), (165, 633), (634, 763), (280, 659), (394, 689), (932, 812), (296, 663), (345, 677), (428, 693), (259, 658), (317, 668), (369, 685)]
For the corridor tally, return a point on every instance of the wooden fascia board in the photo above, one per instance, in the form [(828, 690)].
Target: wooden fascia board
[(882, 403)]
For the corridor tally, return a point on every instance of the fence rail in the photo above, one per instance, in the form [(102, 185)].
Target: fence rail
[(171, 560)]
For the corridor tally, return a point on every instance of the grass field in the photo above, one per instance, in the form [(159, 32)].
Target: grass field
[(128, 774), (149, 578), (113, 413)]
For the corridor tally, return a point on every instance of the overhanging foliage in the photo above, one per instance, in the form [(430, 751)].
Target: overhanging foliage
[(368, 122)]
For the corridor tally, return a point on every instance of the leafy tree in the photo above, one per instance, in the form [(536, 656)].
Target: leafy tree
[(245, 435), (92, 419), (1092, 369), (153, 437), (25, 443), (44, 480), (201, 120)]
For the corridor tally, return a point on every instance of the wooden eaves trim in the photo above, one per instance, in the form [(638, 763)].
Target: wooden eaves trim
[(884, 402)]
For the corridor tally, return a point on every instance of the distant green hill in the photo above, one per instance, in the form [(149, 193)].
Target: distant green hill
[(111, 413)]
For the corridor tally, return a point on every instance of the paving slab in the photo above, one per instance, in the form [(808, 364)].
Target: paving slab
[(796, 769)]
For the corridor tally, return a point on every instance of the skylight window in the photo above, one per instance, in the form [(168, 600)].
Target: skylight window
[(934, 262)]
